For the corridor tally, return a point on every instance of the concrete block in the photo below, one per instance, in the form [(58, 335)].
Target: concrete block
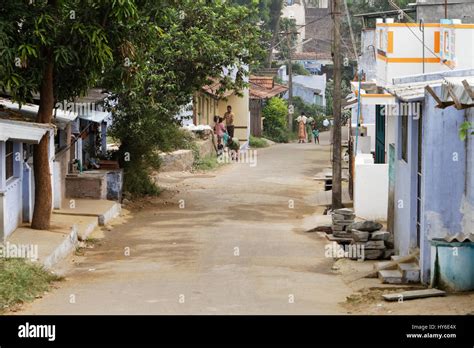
[(373, 254), (369, 226), (360, 236), (380, 235), (390, 276), (410, 272), (374, 244)]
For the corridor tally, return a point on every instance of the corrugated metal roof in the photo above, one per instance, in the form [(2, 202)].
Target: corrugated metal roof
[(27, 132), (32, 109), (455, 85), (459, 237), (450, 87), (412, 91)]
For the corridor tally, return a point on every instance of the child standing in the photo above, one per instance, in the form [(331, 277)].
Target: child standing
[(315, 134)]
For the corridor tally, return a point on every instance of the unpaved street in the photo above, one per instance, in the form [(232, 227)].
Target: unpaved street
[(229, 242)]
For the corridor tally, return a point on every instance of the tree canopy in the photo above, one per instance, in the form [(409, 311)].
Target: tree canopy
[(152, 55)]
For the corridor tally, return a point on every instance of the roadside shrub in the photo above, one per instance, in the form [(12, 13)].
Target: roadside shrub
[(22, 281), (257, 142), (206, 163), (275, 124)]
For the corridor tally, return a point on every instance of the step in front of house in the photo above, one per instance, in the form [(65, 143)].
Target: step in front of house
[(415, 258), (103, 210), (384, 265), (410, 272), (389, 276)]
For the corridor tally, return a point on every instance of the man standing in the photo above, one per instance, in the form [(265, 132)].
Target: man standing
[(229, 121)]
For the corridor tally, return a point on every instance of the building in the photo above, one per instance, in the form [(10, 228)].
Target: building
[(312, 61), (432, 10), (295, 10), (211, 101), (400, 171), (318, 26), (78, 155), (311, 89), (433, 167), (262, 88), (17, 134)]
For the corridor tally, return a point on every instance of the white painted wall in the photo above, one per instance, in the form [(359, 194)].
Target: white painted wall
[(363, 145), (407, 44), (57, 189), (370, 134), (297, 12), (370, 189)]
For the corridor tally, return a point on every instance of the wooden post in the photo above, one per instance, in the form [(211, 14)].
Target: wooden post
[(336, 153), (290, 83)]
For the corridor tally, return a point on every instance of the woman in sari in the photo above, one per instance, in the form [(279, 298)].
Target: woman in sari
[(302, 136)]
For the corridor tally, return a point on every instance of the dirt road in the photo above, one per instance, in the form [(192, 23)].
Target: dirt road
[(229, 242)]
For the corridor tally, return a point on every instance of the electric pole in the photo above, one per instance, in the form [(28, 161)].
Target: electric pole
[(336, 137), (290, 84)]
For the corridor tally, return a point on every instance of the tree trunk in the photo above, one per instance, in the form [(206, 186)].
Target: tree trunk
[(336, 154), (276, 30), (42, 170)]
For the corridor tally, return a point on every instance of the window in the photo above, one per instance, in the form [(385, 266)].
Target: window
[(322, 3), (404, 139), (318, 99), (9, 159), (446, 42)]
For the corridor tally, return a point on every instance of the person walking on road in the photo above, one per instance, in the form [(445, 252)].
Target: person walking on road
[(229, 121), (302, 136)]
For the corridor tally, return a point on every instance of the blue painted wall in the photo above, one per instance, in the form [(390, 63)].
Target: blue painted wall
[(446, 185), (446, 177)]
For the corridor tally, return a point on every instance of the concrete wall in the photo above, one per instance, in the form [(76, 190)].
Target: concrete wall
[(370, 189), (457, 44), (406, 55), (27, 189), (368, 55), (433, 10), (12, 206), (16, 196), (296, 12), (115, 185), (468, 220), (87, 185), (448, 199), (320, 25), (11, 191), (207, 107), (241, 109)]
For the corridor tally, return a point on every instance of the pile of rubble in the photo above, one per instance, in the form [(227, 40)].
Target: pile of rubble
[(341, 218), (366, 235), (374, 241)]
